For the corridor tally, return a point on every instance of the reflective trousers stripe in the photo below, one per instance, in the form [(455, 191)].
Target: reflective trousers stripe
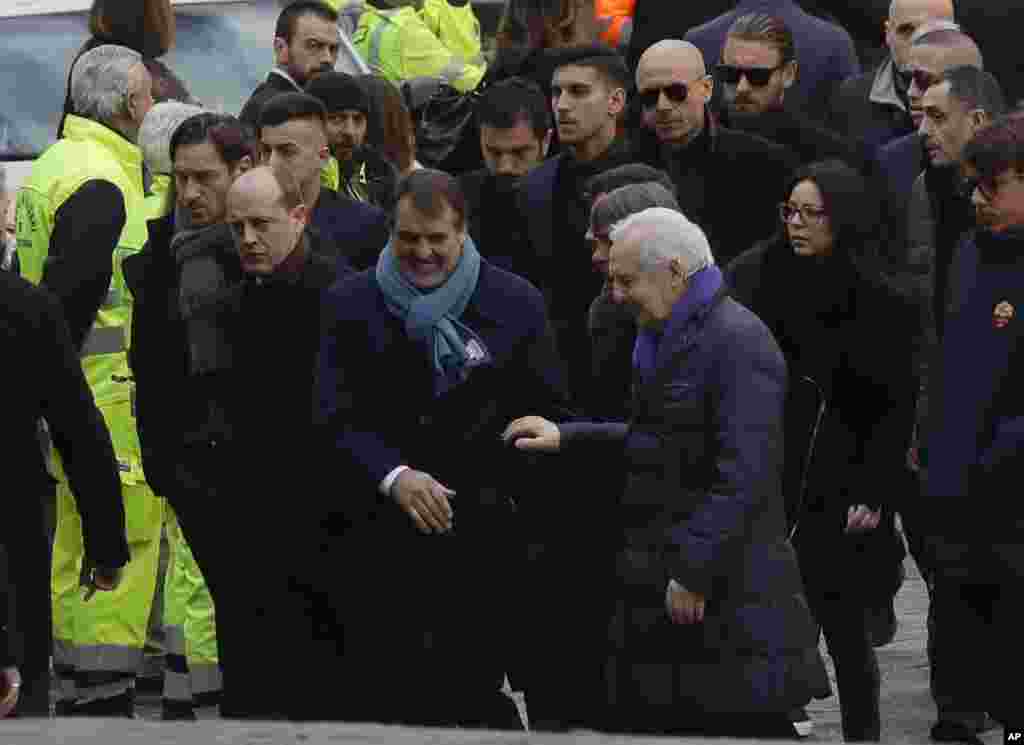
[(104, 340), (205, 678), (454, 70), (174, 640), (107, 690), (63, 654), (108, 658), (177, 686)]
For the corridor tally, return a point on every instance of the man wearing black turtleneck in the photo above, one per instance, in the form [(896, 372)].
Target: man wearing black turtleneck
[(728, 182), (588, 97)]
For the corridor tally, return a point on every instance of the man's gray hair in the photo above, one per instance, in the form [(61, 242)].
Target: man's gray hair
[(667, 234), (618, 204), (158, 128), (101, 81)]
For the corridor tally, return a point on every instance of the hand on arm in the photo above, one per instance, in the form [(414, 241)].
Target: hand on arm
[(683, 607), (533, 433), (425, 500)]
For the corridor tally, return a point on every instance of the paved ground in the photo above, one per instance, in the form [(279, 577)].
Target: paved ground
[(907, 711)]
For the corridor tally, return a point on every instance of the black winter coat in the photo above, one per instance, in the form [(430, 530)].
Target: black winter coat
[(702, 506), (853, 338), (728, 182)]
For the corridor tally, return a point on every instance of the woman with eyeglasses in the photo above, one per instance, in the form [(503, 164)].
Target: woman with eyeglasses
[(819, 287)]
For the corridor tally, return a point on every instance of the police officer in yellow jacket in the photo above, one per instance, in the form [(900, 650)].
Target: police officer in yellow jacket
[(405, 39), (79, 214)]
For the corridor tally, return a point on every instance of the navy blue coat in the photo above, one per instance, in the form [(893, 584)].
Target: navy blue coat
[(826, 52), (703, 506), (455, 438), (352, 233)]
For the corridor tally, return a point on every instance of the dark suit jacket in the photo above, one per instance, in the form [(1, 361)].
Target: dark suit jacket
[(899, 164), (854, 114), (455, 438), (274, 84), (350, 231), (43, 379)]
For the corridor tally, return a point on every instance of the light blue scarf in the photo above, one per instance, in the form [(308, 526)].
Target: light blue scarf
[(432, 317)]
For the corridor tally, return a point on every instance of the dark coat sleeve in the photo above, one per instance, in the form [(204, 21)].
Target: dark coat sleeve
[(747, 432), (85, 233), (338, 409), (81, 437)]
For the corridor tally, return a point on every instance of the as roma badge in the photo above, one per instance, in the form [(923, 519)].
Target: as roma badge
[(1002, 314)]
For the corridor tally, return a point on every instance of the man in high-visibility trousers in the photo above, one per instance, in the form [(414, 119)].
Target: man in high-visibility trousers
[(79, 214), (405, 39)]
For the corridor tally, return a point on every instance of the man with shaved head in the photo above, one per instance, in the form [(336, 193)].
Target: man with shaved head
[(874, 105), (708, 163)]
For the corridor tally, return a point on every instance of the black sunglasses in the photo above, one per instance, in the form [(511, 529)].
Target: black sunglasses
[(676, 93), (756, 76)]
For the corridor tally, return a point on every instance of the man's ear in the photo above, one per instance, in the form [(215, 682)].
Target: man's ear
[(789, 74), (979, 119), (300, 213), (676, 266), (617, 103), (706, 87), (241, 167), (280, 51)]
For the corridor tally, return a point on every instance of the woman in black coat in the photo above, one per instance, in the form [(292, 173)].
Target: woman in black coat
[(839, 321)]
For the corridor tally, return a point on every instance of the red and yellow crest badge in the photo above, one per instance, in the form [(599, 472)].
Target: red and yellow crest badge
[(1002, 314)]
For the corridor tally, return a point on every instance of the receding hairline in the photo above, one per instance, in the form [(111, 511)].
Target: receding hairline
[(943, 14)]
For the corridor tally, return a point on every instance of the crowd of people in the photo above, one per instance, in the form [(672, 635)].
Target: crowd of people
[(620, 414)]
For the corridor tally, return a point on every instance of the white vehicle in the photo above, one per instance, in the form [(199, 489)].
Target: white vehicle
[(222, 51)]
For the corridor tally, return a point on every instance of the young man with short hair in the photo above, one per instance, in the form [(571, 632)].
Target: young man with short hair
[(306, 43), (293, 140)]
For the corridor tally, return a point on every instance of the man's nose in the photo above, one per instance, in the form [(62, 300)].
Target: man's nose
[(190, 190), (743, 84), (618, 296)]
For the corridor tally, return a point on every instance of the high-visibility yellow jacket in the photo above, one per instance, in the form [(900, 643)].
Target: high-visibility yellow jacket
[(438, 40), (88, 150)]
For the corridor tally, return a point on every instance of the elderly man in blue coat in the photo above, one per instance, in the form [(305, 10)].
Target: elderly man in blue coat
[(711, 632)]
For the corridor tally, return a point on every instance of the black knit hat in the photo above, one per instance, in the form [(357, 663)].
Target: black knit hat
[(339, 92)]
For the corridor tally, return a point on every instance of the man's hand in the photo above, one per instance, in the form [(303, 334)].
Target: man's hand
[(684, 607), (10, 687), (425, 500), (860, 518), (534, 433)]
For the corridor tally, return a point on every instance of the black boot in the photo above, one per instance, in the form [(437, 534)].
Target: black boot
[(121, 706)]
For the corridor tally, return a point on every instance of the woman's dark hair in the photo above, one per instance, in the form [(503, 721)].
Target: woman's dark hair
[(389, 127), (232, 139), (997, 148), (431, 190), (856, 218), (166, 85), (147, 26)]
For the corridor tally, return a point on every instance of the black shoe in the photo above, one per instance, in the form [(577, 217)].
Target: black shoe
[(178, 711), (947, 731)]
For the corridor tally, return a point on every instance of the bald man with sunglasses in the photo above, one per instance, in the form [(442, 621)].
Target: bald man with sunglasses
[(728, 181)]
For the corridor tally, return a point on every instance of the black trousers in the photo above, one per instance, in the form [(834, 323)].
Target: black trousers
[(24, 536), (978, 599), (429, 620), (242, 549), (843, 621)]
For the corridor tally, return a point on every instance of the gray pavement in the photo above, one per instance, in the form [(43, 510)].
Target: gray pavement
[(907, 711)]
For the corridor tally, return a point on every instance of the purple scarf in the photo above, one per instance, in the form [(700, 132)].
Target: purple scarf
[(704, 285)]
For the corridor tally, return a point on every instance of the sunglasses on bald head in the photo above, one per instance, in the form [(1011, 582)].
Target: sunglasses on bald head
[(758, 77)]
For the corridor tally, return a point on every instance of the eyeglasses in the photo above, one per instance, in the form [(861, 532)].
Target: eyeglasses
[(756, 76), (923, 79), (676, 93), (809, 215)]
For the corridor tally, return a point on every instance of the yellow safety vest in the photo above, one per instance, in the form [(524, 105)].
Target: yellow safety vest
[(158, 201), (87, 151), (400, 44)]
